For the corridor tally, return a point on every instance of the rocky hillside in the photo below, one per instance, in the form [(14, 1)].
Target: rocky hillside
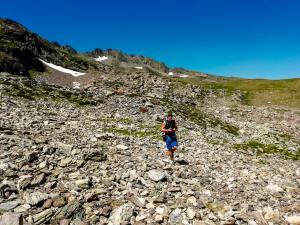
[(70, 156), (86, 149), (121, 59)]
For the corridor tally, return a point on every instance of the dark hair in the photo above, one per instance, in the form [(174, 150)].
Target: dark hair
[(170, 113)]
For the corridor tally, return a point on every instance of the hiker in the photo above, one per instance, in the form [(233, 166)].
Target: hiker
[(168, 129)]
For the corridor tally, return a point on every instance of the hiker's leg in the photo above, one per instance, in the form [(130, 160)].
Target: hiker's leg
[(172, 155), (174, 147), (168, 141), (168, 153)]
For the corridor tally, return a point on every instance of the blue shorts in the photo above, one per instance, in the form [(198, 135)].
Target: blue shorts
[(171, 141)]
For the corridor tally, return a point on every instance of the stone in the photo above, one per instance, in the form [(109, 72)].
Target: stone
[(43, 165), (150, 205), (121, 214), (22, 208), (24, 182), (175, 217), (293, 219), (83, 183), (39, 179), (93, 194), (43, 217), (158, 218), (65, 162), (59, 202), (160, 210), (199, 222), (140, 202), (140, 217), (97, 155), (229, 221), (35, 197), (10, 218), (122, 147), (192, 201), (40, 140), (31, 156), (3, 166), (7, 206), (105, 211), (64, 222), (271, 214), (133, 175), (190, 213), (273, 188), (64, 148), (73, 210), (156, 175), (47, 204), (49, 150)]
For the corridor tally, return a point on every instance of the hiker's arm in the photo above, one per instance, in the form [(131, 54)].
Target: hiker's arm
[(163, 129), (175, 126)]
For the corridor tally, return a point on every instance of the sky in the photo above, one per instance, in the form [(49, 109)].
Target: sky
[(245, 38)]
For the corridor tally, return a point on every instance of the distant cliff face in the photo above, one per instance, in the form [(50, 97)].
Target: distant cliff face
[(20, 50)]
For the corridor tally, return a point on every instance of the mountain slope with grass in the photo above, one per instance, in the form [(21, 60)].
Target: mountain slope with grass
[(80, 141)]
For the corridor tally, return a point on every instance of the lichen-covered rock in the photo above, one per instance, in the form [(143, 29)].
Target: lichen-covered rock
[(121, 215)]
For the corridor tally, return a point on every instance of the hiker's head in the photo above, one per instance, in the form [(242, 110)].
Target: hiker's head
[(169, 116)]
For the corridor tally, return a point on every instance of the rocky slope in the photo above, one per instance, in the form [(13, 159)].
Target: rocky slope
[(95, 156), (121, 59)]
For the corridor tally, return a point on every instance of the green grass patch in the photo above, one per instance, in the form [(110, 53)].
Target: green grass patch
[(265, 92), (154, 134), (253, 91), (140, 130), (262, 149), (119, 120), (263, 162), (37, 92)]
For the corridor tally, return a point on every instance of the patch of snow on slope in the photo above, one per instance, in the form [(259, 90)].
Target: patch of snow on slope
[(138, 67), (183, 75), (171, 73), (101, 58), (64, 70)]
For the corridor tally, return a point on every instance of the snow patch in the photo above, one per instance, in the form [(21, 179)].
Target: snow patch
[(64, 70), (171, 73), (138, 67), (183, 75), (101, 58)]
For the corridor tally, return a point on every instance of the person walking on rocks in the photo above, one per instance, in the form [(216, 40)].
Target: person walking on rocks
[(168, 129)]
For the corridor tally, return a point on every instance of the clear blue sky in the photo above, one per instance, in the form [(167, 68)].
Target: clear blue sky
[(248, 38)]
